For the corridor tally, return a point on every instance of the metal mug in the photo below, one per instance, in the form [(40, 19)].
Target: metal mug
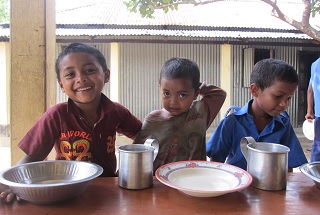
[(267, 163), (136, 164)]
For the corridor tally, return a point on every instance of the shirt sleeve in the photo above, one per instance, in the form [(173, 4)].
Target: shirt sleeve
[(296, 156), (213, 98), (129, 125), (313, 68), (144, 133), (219, 145), (40, 139)]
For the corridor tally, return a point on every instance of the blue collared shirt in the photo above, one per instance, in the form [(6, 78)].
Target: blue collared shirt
[(224, 144)]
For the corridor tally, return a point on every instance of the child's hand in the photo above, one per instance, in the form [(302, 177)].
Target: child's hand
[(6, 195), (309, 117)]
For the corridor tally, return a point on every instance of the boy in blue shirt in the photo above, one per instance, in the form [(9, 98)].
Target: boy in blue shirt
[(272, 84), (314, 108)]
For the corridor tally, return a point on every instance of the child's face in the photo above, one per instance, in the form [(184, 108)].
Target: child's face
[(272, 100), (177, 95), (82, 77)]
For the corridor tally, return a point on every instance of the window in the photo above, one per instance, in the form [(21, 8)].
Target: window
[(250, 57)]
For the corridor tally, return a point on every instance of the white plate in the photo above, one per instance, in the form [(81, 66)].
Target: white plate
[(203, 178), (308, 129)]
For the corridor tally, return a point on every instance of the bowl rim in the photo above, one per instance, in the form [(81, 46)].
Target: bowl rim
[(303, 170), (15, 184)]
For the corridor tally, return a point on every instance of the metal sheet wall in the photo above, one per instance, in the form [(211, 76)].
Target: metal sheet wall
[(140, 65)]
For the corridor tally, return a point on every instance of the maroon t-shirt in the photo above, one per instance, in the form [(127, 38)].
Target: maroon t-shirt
[(64, 128)]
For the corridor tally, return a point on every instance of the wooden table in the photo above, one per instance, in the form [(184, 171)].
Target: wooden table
[(104, 196)]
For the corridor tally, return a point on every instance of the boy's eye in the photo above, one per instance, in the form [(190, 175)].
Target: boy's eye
[(69, 75), (183, 95), (89, 71), (166, 94)]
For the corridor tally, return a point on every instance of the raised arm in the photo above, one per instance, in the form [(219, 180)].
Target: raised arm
[(310, 113), (214, 98)]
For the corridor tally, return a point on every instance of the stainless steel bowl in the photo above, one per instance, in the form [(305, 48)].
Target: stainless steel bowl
[(312, 170), (49, 182)]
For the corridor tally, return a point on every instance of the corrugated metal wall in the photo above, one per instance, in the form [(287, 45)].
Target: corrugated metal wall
[(140, 67)]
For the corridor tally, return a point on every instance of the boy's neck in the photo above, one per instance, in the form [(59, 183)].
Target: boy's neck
[(91, 112), (261, 119)]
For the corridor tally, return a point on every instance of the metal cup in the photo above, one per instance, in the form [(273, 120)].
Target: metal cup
[(267, 163), (136, 164)]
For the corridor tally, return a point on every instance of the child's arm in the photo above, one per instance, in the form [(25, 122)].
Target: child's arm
[(213, 97), (220, 143), (310, 114), (296, 156), (27, 159)]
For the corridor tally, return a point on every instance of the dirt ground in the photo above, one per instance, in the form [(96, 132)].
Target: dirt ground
[(305, 143)]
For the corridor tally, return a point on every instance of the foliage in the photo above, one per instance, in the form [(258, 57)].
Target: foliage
[(315, 7), (4, 10), (147, 7), (311, 8)]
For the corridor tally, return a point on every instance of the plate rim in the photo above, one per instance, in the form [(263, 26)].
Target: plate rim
[(304, 129), (159, 178)]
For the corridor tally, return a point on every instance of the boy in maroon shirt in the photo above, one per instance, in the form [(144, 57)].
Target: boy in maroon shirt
[(85, 127)]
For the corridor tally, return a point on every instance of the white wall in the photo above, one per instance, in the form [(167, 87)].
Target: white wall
[(3, 85)]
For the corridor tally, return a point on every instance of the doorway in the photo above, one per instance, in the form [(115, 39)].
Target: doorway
[(306, 58)]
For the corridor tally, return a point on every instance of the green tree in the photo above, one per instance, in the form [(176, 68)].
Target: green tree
[(311, 8), (4, 11)]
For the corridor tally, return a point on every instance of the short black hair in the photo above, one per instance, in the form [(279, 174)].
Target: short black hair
[(80, 47), (181, 68), (266, 72)]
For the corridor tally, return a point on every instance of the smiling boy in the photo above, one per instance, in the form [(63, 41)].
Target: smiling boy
[(85, 127)]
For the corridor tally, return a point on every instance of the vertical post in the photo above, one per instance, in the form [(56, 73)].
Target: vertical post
[(115, 72), (32, 39), (225, 76)]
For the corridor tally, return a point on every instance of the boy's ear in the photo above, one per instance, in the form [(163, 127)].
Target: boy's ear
[(61, 86), (106, 76), (254, 89)]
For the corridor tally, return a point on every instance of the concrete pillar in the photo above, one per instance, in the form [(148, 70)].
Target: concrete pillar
[(225, 76), (32, 39), (115, 72)]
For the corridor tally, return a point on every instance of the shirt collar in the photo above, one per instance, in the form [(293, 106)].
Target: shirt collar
[(106, 106), (245, 110)]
